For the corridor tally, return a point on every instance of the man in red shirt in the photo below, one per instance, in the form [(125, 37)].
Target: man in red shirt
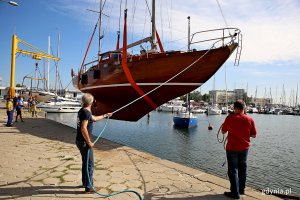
[(240, 128)]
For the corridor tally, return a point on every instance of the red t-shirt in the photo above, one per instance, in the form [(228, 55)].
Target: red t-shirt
[(239, 128)]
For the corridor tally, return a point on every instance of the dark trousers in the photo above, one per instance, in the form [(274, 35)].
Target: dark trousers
[(83, 148), (10, 116), (237, 170)]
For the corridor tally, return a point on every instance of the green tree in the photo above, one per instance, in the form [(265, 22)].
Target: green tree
[(206, 97)]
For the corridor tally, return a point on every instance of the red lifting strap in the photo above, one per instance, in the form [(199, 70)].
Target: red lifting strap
[(159, 43), (126, 69)]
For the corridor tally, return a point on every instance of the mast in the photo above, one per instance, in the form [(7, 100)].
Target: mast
[(153, 44), (48, 66), (296, 103), (56, 69), (189, 33), (226, 94), (100, 23), (187, 96)]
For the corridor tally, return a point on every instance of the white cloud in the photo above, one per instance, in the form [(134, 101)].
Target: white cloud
[(270, 27)]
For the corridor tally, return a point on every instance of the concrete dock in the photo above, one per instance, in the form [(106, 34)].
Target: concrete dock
[(39, 160)]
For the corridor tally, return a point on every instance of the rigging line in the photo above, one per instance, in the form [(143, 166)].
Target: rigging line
[(107, 27), (171, 22), (120, 16), (144, 24), (223, 16), (161, 21), (100, 24), (148, 7), (132, 22), (68, 84), (171, 41)]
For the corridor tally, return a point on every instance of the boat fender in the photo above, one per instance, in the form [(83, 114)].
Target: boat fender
[(210, 127)]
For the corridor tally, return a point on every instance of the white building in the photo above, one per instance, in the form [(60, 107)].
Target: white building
[(219, 96), (4, 90)]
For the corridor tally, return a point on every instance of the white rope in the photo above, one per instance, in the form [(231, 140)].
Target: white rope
[(223, 16), (170, 79)]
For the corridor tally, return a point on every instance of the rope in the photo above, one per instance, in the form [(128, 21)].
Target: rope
[(88, 175), (223, 16), (224, 141)]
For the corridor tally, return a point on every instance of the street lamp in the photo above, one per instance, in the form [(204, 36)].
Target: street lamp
[(13, 3)]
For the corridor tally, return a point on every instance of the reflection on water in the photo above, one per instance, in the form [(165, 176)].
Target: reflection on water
[(274, 159)]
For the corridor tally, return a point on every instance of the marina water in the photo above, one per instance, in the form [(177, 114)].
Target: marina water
[(274, 156)]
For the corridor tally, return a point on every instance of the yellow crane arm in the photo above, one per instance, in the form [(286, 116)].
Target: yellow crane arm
[(38, 55)]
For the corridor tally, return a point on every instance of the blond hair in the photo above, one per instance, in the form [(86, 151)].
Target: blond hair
[(87, 100)]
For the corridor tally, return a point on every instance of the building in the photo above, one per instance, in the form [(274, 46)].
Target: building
[(4, 90), (262, 101), (240, 94), (219, 96)]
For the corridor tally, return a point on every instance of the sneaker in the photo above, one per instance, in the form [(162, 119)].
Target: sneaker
[(230, 195), (8, 125), (89, 190)]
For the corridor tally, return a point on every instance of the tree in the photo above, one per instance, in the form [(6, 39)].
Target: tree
[(206, 97), (19, 85)]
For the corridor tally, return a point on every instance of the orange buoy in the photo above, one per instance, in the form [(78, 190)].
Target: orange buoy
[(210, 127)]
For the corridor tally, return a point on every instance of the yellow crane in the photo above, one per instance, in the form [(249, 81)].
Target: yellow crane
[(36, 53)]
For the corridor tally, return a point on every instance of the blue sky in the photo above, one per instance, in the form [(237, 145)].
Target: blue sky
[(271, 47)]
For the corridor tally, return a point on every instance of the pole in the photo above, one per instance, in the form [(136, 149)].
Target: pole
[(153, 45), (56, 78), (189, 33), (48, 67), (12, 92), (100, 23)]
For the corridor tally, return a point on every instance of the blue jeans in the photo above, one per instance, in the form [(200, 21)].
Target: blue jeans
[(237, 170), (83, 148), (10, 116)]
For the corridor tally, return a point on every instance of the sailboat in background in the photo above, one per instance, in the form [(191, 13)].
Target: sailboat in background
[(116, 78), (185, 119), (41, 94), (214, 109), (59, 104)]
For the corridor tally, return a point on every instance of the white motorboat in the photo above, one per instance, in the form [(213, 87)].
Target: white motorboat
[(60, 105), (214, 111), (198, 110), (172, 106), (41, 96)]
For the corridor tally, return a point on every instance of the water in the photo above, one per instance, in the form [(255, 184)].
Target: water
[(273, 162)]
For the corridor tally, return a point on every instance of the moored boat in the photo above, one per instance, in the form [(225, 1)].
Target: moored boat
[(185, 120)]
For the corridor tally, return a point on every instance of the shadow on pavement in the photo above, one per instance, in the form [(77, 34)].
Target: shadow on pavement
[(48, 129)]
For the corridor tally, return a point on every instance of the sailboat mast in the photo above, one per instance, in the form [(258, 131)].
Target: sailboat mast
[(189, 33), (48, 66), (56, 69), (100, 24), (296, 103), (153, 44)]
